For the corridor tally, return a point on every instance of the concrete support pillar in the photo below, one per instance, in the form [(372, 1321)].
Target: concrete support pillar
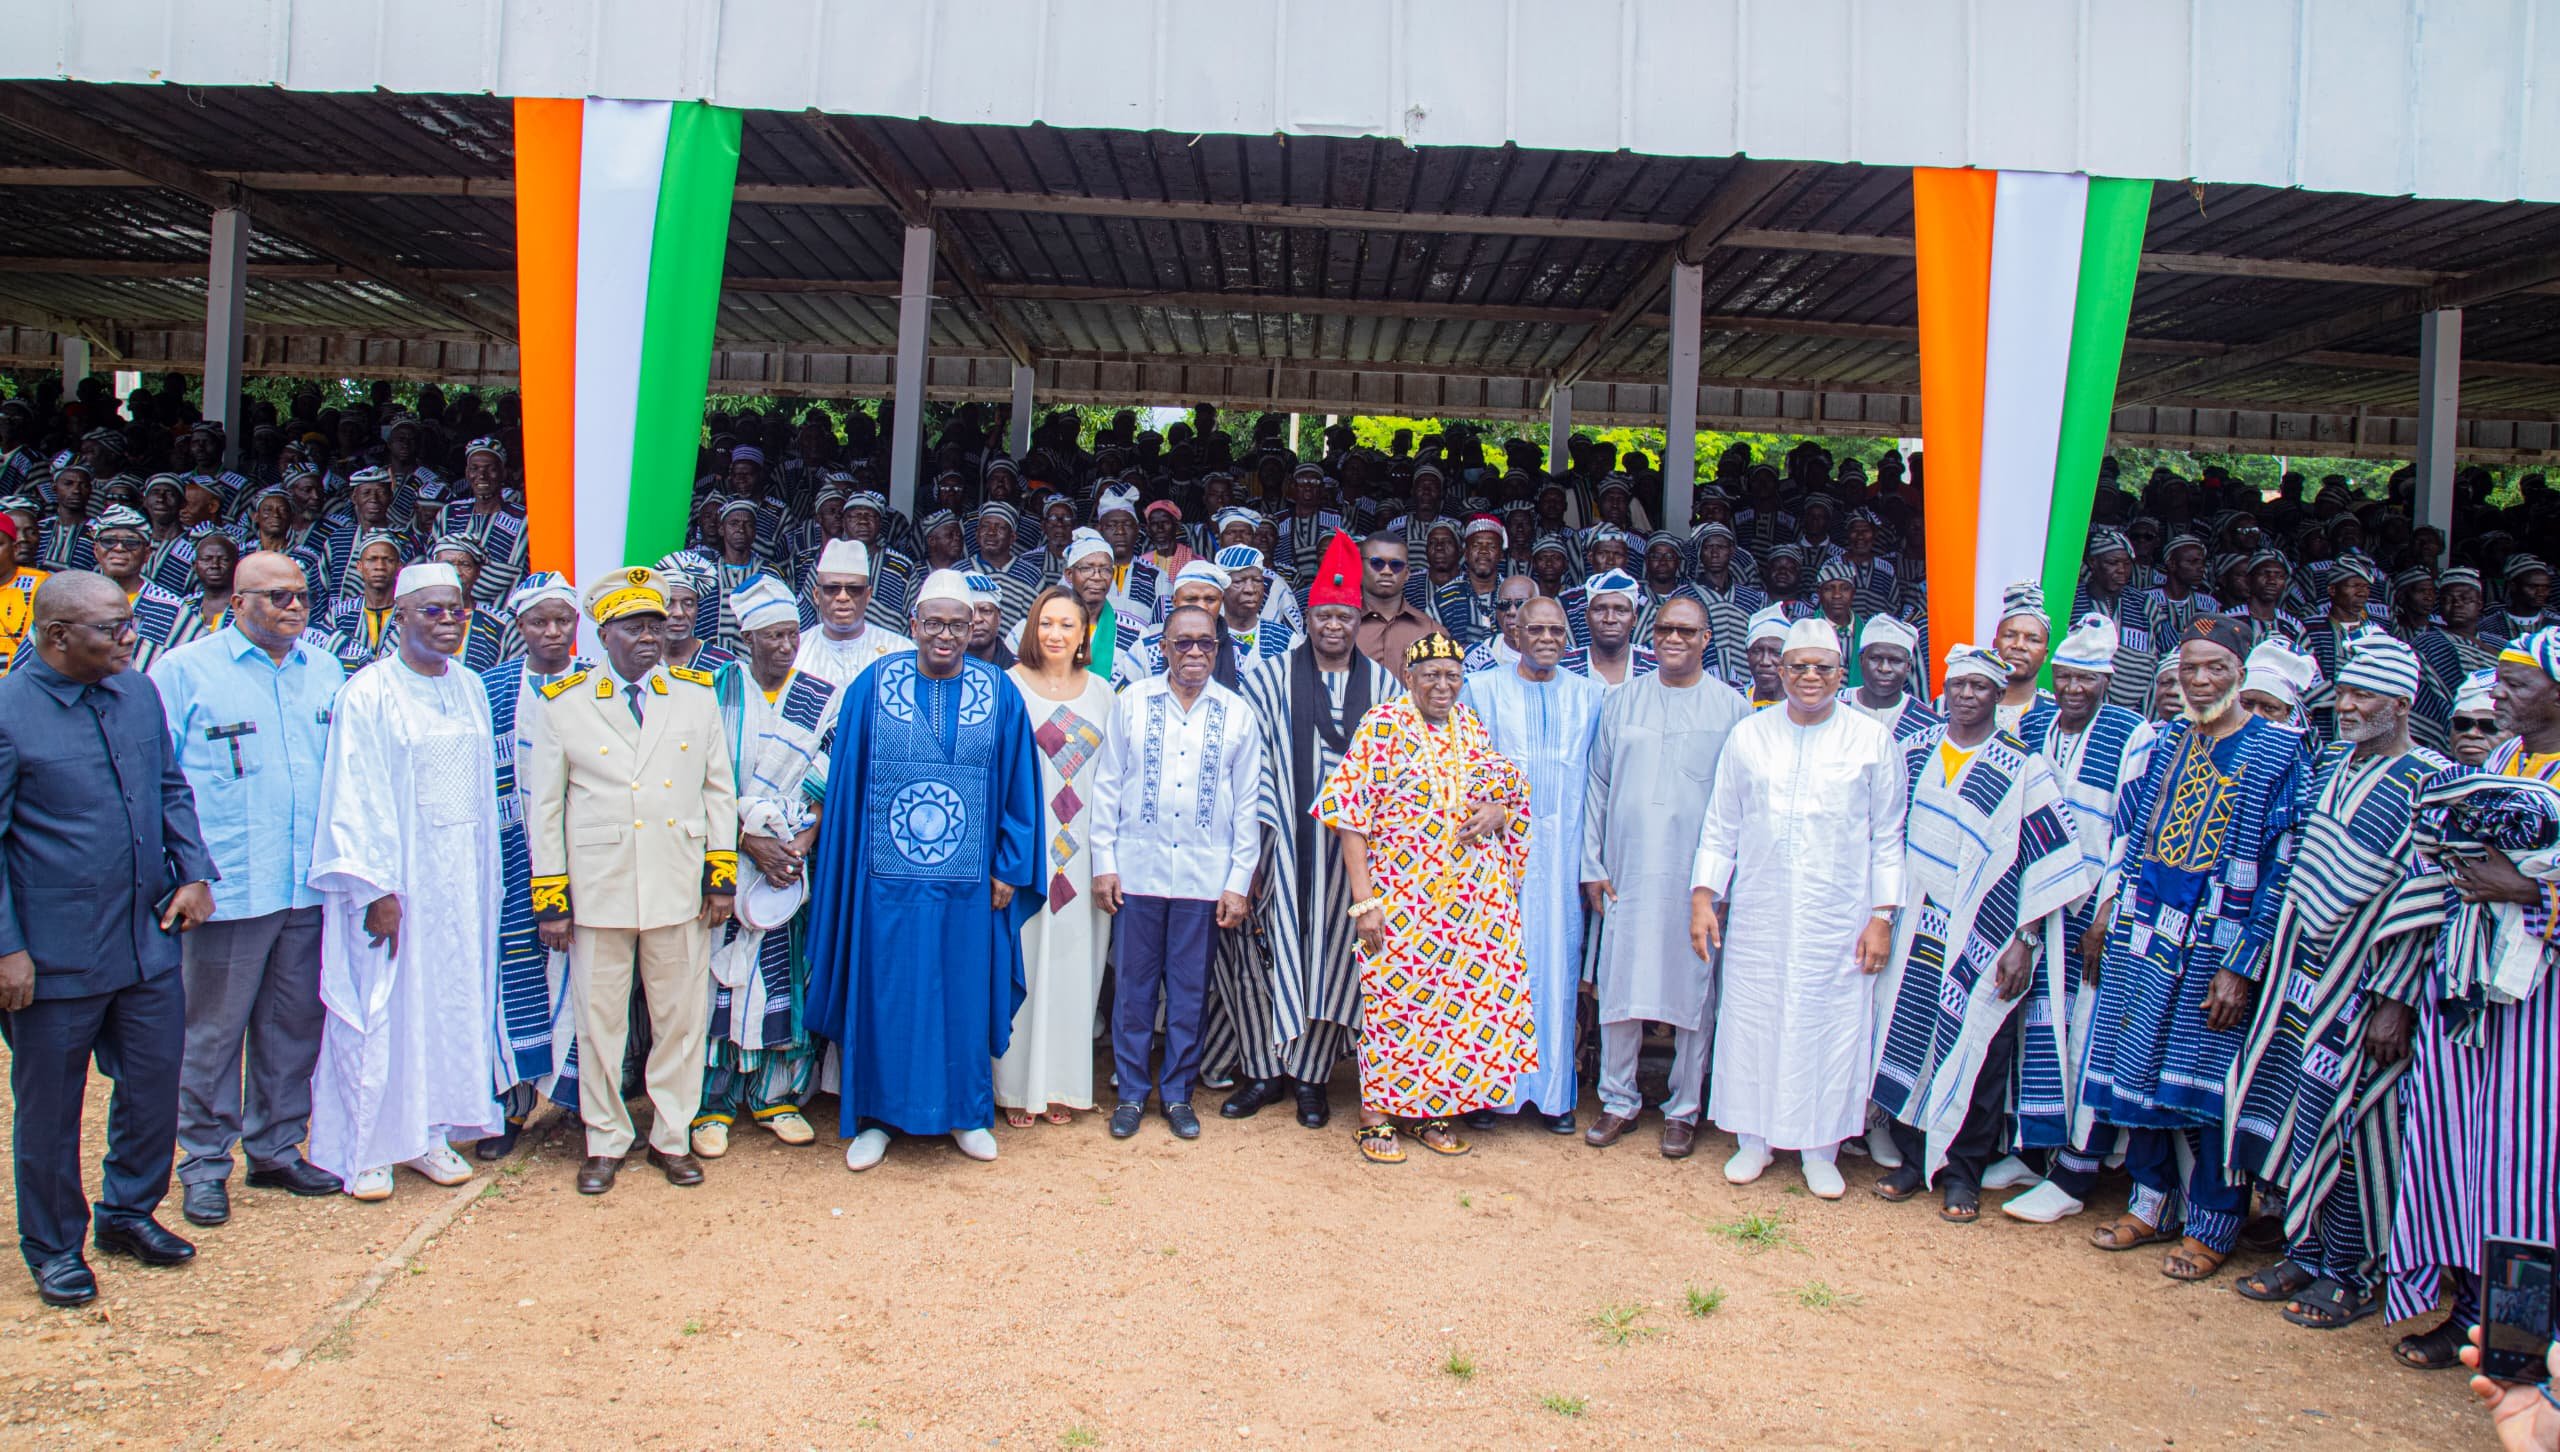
[(915, 321), (1559, 427), (75, 365), (1023, 374), (2439, 407), (226, 325), (1680, 419)]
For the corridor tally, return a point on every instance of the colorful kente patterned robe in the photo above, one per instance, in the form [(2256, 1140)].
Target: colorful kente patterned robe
[(1985, 855), (2202, 842), (2308, 1112), (1445, 1014)]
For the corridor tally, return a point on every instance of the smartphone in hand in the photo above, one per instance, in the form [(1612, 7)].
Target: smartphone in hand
[(2516, 1310)]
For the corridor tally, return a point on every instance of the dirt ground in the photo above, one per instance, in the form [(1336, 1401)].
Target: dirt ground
[(1261, 1286)]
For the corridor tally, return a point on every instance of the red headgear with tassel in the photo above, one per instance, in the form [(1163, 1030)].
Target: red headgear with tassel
[(1337, 579)]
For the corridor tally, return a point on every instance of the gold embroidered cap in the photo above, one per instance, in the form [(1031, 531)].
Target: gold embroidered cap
[(635, 591)]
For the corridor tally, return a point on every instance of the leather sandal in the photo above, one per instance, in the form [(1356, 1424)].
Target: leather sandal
[(1378, 1144), (2192, 1260), (2129, 1232)]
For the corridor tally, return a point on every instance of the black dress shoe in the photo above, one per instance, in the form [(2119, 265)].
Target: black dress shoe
[(1482, 1119), (1125, 1118), (206, 1202), (1314, 1109), (595, 1174), (1559, 1123), (1186, 1125), (65, 1280), (500, 1145), (145, 1240), (299, 1177), (1251, 1098), (679, 1169)]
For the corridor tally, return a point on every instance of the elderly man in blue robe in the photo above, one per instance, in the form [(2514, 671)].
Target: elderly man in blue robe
[(928, 849), (1545, 719), (2314, 1093), (1991, 864), (2203, 842), (2096, 749)]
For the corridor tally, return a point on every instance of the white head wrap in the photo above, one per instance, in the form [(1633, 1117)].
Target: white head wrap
[(2091, 645), (944, 585), (1811, 633), (1202, 572), (1767, 623), (414, 578), (1085, 544), (764, 602), (1885, 630), (2474, 699), (538, 586), (845, 557), (2277, 669)]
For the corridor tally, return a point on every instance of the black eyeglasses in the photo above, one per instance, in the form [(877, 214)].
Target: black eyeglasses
[(2475, 723), (437, 614), (940, 628), (1390, 566), (280, 599), (120, 628), (1808, 668)]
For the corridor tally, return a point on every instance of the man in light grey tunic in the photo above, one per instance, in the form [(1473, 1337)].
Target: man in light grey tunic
[(1651, 769)]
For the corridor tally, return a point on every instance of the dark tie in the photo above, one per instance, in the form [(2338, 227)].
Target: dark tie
[(633, 696)]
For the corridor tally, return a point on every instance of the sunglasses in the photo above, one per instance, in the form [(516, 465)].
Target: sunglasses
[(837, 590), (280, 599), (1808, 668), (438, 614), (1191, 647), (2475, 723), (1389, 566)]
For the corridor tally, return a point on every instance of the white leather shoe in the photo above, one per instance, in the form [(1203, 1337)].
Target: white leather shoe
[(1745, 1166), (442, 1165), (2043, 1205), (2007, 1173), (977, 1144), (710, 1139), (1880, 1147), (790, 1128), (866, 1149), (1822, 1177), (371, 1184)]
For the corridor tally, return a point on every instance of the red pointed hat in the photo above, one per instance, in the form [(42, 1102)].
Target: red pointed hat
[(1337, 579)]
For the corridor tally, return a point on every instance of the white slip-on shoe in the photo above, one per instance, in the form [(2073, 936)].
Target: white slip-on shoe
[(371, 1184), (1880, 1146), (977, 1144), (790, 1128), (442, 1165), (866, 1149), (1822, 1177), (2046, 1203), (2007, 1173), (710, 1140), (1745, 1166)]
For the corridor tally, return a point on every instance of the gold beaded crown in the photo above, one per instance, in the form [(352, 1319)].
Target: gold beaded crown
[(1435, 646)]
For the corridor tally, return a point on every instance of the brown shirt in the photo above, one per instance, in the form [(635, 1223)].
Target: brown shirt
[(1383, 638)]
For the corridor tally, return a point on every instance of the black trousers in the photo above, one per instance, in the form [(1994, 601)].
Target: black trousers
[(138, 1036), (1977, 1143)]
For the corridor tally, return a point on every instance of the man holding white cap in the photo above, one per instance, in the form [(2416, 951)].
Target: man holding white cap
[(406, 861), (845, 641), (1802, 849), (760, 1060), (1885, 665), (632, 830)]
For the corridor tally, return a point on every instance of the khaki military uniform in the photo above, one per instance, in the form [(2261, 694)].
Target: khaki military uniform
[(629, 824)]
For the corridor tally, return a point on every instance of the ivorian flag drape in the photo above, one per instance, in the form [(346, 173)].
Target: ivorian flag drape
[(2026, 283), (622, 226)]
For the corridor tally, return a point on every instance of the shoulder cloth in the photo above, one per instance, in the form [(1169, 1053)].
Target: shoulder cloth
[(688, 673), (553, 691)]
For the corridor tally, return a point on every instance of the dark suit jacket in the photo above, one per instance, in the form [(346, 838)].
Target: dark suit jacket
[(97, 824)]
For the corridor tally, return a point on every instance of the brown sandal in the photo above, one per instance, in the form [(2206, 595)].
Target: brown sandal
[(1378, 1144), (2129, 1232), (1448, 1142), (2199, 1259)]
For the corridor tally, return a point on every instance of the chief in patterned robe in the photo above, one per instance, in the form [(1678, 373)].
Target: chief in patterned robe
[(933, 794), (2202, 839), (2313, 1110), (1990, 859), (537, 1024)]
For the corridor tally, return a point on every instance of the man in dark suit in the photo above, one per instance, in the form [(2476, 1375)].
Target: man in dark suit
[(103, 868)]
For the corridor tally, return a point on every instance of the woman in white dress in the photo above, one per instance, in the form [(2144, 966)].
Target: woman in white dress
[(1048, 1070)]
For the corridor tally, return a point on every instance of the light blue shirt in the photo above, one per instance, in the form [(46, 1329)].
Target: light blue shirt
[(252, 735)]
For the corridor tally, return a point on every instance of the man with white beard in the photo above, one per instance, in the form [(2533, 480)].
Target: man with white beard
[(1802, 846)]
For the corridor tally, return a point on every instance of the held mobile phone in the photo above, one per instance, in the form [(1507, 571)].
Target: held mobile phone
[(2515, 1319)]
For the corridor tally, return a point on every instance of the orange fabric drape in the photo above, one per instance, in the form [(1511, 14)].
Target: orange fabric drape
[(1951, 216), (548, 136)]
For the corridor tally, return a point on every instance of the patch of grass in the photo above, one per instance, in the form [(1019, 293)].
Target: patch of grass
[(1823, 1296), (1623, 1325), (1460, 1365), (1703, 1303), (417, 1267), (867, 1424), (1757, 1231), (691, 1328), (1564, 1406), (1079, 1437), (1466, 1202), (492, 1190), (1799, 1191)]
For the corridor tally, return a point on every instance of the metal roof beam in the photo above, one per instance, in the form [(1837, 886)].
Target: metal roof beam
[(870, 162), (2281, 269), (30, 112)]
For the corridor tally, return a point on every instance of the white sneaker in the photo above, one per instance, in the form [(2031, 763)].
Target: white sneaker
[(2007, 1173), (442, 1165), (977, 1144), (1745, 1166), (1822, 1177), (1880, 1147), (371, 1184), (2043, 1205), (866, 1149), (710, 1140)]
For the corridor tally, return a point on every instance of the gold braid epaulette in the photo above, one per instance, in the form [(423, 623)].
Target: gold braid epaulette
[(550, 898), (552, 691), (688, 673)]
